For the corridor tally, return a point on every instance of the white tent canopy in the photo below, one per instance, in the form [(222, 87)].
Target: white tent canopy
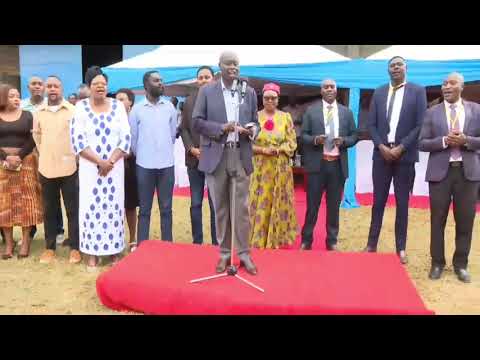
[(429, 52), (196, 55)]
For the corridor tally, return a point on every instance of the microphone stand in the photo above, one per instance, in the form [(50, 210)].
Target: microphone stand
[(232, 269)]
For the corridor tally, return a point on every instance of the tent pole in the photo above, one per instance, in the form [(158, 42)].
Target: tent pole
[(349, 198)]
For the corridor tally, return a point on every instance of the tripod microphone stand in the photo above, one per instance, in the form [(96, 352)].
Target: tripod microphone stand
[(232, 269)]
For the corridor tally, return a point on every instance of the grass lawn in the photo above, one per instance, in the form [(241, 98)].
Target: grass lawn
[(28, 287)]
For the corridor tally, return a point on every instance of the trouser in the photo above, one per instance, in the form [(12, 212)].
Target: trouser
[(220, 183), (382, 174), (197, 187), (149, 180), (464, 195), (51, 188), (331, 180)]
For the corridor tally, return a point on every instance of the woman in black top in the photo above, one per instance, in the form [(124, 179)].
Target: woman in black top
[(20, 197)]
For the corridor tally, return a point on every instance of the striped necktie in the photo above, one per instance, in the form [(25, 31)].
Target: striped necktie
[(331, 129)]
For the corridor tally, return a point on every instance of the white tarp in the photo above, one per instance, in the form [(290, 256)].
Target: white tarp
[(429, 52), (197, 55)]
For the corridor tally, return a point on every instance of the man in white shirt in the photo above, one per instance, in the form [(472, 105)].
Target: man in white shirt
[(450, 133), (328, 130), (394, 121)]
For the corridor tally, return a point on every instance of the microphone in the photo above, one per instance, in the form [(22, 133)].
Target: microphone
[(243, 91), (234, 86)]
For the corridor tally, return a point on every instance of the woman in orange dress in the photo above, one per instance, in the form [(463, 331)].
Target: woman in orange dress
[(20, 193), (271, 201)]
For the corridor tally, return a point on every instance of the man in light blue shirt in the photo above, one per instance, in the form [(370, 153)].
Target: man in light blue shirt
[(153, 125)]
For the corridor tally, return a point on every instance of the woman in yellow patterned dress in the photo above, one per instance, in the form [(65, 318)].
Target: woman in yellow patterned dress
[(271, 201)]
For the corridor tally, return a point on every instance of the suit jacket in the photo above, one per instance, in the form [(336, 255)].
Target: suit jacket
[(435, 127), (190, 137), (209, 116), (314, 125), (411, 116)]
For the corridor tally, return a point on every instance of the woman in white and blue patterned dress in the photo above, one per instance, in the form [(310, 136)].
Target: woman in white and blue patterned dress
[(101, 136)]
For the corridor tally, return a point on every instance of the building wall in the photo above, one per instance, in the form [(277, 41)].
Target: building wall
[(9, 69), (65, 61)]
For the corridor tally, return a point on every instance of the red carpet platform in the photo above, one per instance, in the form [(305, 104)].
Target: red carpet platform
[(155, 280)]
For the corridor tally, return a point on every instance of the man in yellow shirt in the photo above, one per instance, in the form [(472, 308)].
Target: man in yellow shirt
[(57, 167)]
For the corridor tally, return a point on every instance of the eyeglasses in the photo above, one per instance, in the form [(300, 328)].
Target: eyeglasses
[(270, 98)]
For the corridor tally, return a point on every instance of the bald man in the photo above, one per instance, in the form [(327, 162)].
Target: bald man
[(225, 156), (451, 134), (328, 130)]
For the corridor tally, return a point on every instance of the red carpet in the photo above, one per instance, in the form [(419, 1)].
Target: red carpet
[(155, 280)]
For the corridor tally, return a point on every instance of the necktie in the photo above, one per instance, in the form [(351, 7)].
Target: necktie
[(331, 129), (455, 152), (390, 104)]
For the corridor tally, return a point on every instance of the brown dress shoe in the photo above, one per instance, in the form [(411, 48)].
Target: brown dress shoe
[(222, 265), (249, 265)]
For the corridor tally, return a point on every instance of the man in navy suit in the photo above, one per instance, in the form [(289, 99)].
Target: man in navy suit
[(394, 121)]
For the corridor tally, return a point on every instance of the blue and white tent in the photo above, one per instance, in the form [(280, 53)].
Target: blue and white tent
[(285, 64), (300, 69)]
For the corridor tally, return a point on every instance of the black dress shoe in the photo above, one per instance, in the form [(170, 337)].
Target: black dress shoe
[(332, 247), (435, 272), (305, 246), (222, 265), (369, 249), (403, 257), (463, 275), (249, 266)]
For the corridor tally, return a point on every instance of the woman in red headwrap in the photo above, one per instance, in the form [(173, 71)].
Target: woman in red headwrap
[(272, 211)]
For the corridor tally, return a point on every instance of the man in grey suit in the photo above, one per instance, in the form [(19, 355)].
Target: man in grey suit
[(451, 134), (328, 130), (223, 156)]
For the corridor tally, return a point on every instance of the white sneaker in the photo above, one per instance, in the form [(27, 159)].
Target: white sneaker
[(60, 238)]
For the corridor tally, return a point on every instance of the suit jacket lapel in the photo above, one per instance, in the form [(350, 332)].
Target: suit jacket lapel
[(468, 116), (443, 119), (220, 98), (341, 119), (322, 119), (406, 94), (383, 107)]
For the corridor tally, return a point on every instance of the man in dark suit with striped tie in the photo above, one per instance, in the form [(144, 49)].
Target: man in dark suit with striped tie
[(451, 134), (394, 121), (328, 130)]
